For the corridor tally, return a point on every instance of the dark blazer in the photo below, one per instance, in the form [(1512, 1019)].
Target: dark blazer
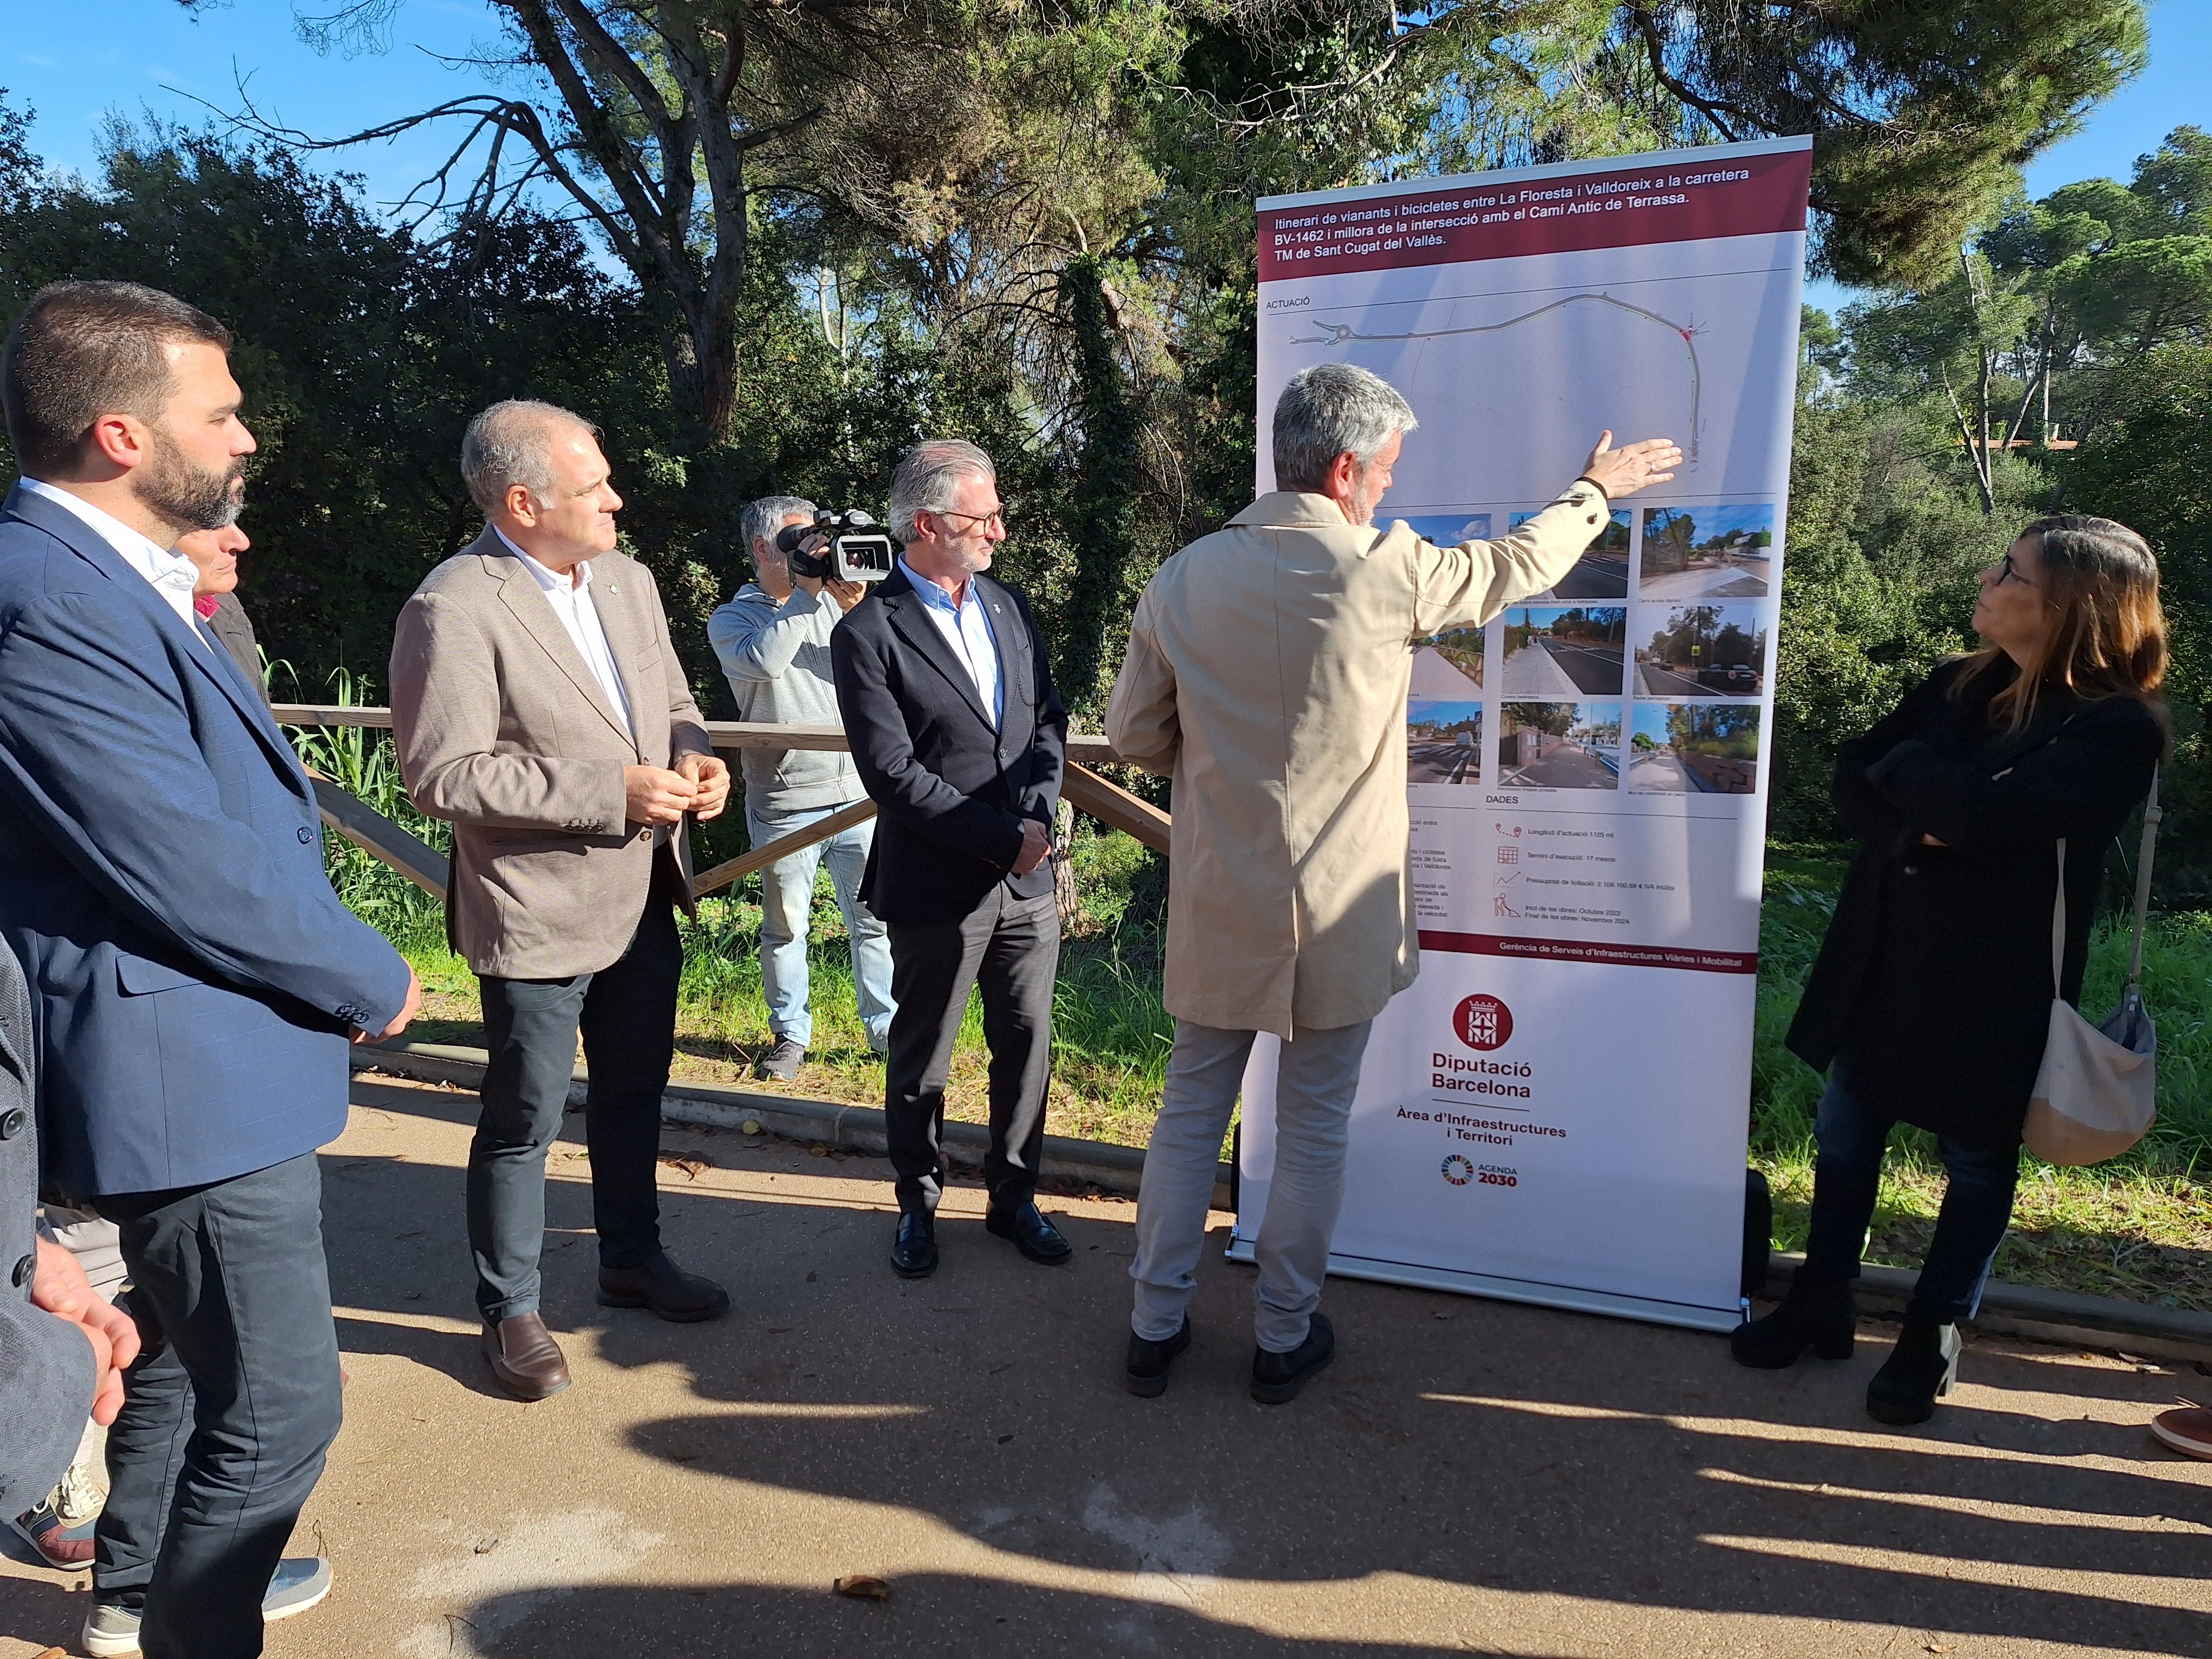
[(161, 880), (234, 629), (1933, 984), (46, 1367), (951, 792)]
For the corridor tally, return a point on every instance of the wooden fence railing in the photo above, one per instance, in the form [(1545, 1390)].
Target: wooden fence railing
[(395, 846)]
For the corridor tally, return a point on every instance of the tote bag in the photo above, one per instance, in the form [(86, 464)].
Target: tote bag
[(2096, 1094)]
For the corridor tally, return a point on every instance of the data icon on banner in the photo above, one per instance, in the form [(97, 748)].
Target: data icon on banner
[(1584, 770)]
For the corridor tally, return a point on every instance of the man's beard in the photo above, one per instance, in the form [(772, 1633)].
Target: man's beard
[(178, 492), (1361, 508)]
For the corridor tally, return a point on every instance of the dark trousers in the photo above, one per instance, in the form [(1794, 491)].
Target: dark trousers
[(627, 1013), (227, 1412), (1009, 947), (1847, 1178)]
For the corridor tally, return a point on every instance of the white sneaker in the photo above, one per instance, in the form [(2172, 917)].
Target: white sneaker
[(300, 1582)]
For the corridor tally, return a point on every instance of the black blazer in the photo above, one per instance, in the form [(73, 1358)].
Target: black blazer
[(1933, 984), (951, 792)]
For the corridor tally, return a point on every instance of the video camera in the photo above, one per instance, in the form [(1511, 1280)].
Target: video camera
[(858, 550)]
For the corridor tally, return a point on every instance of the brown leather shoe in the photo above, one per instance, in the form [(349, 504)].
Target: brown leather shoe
[(665, 1288), (524, 1358)]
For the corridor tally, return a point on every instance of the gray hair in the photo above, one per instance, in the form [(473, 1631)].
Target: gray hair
[(764, 517), (925, 480), (508, 444), (1328, 409)]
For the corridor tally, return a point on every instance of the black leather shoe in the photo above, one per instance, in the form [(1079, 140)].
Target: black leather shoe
[(1033, 1236), (1277, 1377), (1820, 1314), (914, 1252), (1149, 1361), (1919, 1371), (661, 1286)]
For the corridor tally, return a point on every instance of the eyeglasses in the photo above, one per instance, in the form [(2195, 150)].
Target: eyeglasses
[(2010, 572), (985, 519)]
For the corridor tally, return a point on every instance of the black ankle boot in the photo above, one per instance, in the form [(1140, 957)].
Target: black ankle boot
[(1920, 1371), (1820, 1314)]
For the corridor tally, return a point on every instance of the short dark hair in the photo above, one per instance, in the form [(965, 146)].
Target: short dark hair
[(83, 349)]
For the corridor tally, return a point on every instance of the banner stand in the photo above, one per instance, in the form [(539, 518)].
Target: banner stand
[(1573, 1298), (1558, 1110)]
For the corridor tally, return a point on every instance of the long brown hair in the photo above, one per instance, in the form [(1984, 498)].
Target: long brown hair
[(2111, 638)]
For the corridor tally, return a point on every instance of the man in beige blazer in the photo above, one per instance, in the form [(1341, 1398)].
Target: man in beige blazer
[(541, 709), (1266, 673)]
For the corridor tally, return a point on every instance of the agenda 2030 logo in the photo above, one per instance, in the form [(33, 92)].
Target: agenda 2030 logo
[(1482, 1022)]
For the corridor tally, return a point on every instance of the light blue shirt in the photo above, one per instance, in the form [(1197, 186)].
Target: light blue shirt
[(966, 625)]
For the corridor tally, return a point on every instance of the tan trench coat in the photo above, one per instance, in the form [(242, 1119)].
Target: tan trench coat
[(1266, 674)]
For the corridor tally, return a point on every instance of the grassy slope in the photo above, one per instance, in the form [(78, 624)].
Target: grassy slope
[(2139, 1228)]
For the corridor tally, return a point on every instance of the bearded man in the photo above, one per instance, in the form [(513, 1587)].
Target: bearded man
[(193, 979)]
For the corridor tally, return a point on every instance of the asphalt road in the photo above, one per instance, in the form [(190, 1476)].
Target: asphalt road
[(1443, 763), (1656, 680), (1570, 766), (1595, 577), (1713, 582), (1552, 668)]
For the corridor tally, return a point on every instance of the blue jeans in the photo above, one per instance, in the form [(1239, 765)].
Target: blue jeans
[(1847, 1176), (228, 1410), (787, 901)]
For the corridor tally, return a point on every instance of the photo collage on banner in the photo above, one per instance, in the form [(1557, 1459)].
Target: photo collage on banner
[(1558, 1110)]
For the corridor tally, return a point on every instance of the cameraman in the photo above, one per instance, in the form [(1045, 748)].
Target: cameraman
[(774, 643)]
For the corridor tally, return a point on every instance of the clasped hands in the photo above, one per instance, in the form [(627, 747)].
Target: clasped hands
[(699, 785)]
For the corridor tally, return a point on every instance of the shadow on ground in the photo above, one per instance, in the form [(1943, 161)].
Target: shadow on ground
[(1458, 1444)]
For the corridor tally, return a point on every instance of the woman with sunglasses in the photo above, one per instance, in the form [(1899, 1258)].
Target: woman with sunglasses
[(1930, 1000)]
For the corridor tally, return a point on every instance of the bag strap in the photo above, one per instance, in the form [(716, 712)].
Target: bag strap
[(2153, 813), (2059, 928), (2145, 854)]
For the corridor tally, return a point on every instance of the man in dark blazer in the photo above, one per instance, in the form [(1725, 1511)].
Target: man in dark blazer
[(959, 737), (194, 979)]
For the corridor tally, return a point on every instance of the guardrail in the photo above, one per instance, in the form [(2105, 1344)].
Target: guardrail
[(400, 849)]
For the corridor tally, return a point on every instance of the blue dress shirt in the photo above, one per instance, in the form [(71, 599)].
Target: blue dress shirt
[(966, 625)]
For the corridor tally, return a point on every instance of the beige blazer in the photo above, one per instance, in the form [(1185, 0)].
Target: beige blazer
[(1266, 673), (504, 731)]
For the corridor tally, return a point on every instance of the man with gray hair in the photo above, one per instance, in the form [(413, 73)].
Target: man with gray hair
[(540, 707), (1266, 674), (773, 639), (948, 703)]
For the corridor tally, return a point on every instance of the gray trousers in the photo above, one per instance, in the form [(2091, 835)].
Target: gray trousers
[(1314, 1088)]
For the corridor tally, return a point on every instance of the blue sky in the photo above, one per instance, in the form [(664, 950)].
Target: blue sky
[(1718, 520), (150, 56)]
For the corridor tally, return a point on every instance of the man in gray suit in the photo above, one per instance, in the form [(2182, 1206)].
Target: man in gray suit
[(540, 708)]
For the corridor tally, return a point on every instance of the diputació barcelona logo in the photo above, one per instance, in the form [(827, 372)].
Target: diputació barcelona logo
[(1482, 1022)]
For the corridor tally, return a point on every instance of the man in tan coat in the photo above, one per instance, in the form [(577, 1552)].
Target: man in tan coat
[(540, 707), (1266, 673)]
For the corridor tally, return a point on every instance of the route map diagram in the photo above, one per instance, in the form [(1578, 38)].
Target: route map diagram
[(1344, 333)]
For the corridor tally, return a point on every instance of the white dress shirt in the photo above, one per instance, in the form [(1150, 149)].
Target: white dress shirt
[(572, 604), (966, 625), (172, 574)]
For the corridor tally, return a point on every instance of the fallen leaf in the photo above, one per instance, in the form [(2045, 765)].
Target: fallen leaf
[(1004, 1438), (1935, 1647), (486, 1545), (689, 1165), (685, 1456), (863, 1587)]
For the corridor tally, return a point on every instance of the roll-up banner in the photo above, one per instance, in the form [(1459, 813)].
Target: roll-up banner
[(1557, 1111)]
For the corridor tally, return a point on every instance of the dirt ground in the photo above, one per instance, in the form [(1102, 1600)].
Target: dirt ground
[(1470, 1477)]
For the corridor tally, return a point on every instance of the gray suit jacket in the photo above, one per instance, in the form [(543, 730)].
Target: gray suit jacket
[(45, 1366), (231, 625), (503, 729)]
